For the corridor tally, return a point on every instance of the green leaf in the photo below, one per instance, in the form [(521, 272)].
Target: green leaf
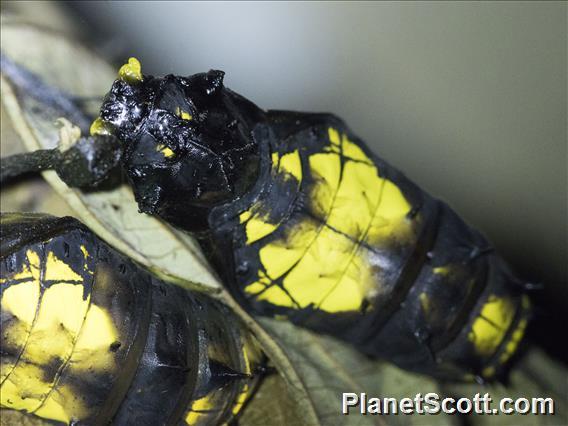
[(321, 368), (324, 368), (272, 403), (29, 195), (112, 214), (12, 418)]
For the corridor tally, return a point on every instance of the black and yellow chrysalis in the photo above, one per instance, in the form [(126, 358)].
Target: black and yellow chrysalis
[(304, 223), (88, 337)]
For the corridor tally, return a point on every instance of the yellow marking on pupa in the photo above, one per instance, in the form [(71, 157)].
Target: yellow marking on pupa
[(333, 136), (257, 228), (60, 317), (199, 408), (356, 284), (425, 302), (360, 186), (24, 388), (390, 221), (340, 276), (323, 266), (244, 216), (26, 273), (327, 169), (354, 152), (258, 286), (489, 328), (277, 296), (290, 163), (275, 157), (254, 288), (63, 405), (356, 201), (165, 150), (57, 270), (513, 343), (184, 115), (131, 72), (85, 255), (441, 270), (91, 349), (241, 399), (20, 300), (280, 255), (100, 127)]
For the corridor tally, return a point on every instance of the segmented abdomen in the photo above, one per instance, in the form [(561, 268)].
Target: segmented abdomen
[(336, 240), (89, 336)]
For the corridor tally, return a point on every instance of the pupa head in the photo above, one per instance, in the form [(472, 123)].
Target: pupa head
[(187, 140)]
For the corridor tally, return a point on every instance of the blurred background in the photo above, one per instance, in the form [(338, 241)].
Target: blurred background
[(468, 99)]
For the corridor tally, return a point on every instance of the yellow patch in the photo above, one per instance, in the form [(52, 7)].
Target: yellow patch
[(184, 115), (165, 150), (131, 72), (241, 399), (50, 341), (354, 152), (291, 164), (254, 288), (20, 300), (63, 404), (279, 256), (355, 285), (199, 408), (34, 269), (325, 268), (58, 270), (275, 157), (490, 326), (390, 222), (277, 296), (310, 282), (100, 127), (244, 216), (257, 228), (260, 285), (23, 389), (513, 343), (91, 349), (333, 136), (441, 270), (356, 201), (84, 251), (326, 168), (425, 302), (90, 355)]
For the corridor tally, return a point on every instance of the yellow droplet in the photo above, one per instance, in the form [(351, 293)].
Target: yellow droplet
[(100, 127), (131, 72), (168, 152), (184, 115)]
